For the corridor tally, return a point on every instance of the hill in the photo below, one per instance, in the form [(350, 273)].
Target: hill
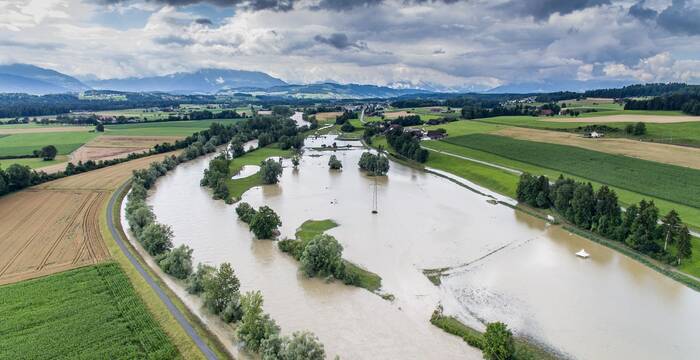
[(23, 78)]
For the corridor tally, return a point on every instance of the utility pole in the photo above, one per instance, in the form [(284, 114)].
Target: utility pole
[(374, 200)]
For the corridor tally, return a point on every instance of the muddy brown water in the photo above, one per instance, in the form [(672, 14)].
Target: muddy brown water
[(605, 307)]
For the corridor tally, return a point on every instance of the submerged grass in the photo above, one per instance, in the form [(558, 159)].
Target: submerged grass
[(312, 228), (524, 349)]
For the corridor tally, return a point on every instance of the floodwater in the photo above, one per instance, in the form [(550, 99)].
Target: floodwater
[(605, 307), (299, 118)]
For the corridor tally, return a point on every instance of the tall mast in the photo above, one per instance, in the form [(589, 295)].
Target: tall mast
[(374, 200)]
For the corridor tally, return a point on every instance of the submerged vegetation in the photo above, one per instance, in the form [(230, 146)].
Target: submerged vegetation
[(374, 164), (321, 255)]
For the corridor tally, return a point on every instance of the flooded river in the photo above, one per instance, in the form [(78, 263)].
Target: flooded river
[(606, 307)]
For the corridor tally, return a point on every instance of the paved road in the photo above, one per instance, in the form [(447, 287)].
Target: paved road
[(208, 353)]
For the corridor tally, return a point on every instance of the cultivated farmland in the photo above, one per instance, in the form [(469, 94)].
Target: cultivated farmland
[(673, 183), (24, 144), (92, 312)]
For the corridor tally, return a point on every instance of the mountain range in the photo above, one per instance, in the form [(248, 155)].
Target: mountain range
[(32, 79)]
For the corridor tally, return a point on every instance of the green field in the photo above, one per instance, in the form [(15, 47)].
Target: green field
[(685, 133), (237, 187), (33, 163), (24, 144), (167, 128), (673, 183), (87, 313)]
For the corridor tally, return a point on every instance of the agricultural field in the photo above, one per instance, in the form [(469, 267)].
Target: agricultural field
[(24, 144), (168, 128), (323, 116), (34, 163), (35, 128), (663, 153), (43, 232), (672, 183), (683, 133), (91, 312)]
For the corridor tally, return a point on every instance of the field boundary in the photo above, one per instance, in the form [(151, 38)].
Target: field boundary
[(172, 308)]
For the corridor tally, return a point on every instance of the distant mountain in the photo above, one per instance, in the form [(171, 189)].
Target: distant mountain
[(202, 81), (330, 91), (557, 85), (23, 78)]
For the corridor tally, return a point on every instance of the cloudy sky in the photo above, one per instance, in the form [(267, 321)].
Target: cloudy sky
[(454, 43)]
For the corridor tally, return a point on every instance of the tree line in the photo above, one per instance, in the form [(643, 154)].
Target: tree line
[(686, 102), (219, 287), (407, 145), (639, 226)]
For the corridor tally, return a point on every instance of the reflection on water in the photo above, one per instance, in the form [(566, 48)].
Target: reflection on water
[(605, 307)]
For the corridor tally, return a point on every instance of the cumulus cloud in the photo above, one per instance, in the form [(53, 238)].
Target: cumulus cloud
[(658, 68), (681, 17), (543, 9)]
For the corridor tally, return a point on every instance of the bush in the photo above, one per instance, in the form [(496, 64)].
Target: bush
[(232, 311), (347, 127), (177, 262), (323, 256), (334, 163), (375, 165), (196, 281), (270, 171), (156, 238), (139, 215), (245, 212), (48, 152), (498, 342), (264, 223)]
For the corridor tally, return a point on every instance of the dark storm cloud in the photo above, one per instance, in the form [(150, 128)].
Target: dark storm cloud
[(275, 5), (204, 21), (340, 41), (543, 9), (681, 18), (643, 13)]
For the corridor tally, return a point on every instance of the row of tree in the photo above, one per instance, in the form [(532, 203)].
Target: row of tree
[(407, 120), (219, 287), (600, 212), (689, 103), (407, 145)]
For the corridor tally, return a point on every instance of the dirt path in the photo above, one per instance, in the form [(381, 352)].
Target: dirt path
[(660, 119), (669, 154)]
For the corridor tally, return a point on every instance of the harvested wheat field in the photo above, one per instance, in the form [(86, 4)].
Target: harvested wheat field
[(108, 147), (55, 226), (322, 116), (396, 114), (669, 154), (659, 119)]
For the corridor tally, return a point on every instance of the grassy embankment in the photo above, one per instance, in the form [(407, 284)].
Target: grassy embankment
[(312, 228), (523, 348), (184, 343), (91, 312), (237, 187)]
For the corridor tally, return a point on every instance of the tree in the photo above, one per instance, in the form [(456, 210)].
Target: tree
[(334, 163), (270, 171), (670, 227), (177, 262), (245, 212), (302, 346), (18, 177), (255, 326), (48, 152), (264, 223), (196, 281), (156, 238), (221, 289), (583, 205), (684, 247), (347, 127), (323, 256), (295, 161), (374, 164), (100, 127), (139, 215), (498, 342), (640, 129), (4, 188)]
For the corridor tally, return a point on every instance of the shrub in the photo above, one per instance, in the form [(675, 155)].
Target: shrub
[(177, 262), (196, 281), (264, 223), (156, 238), (245, 212), (347, 127), (48, 152), (323, 256), (270, 171), (498, 342), (374, 164), (334, 163)]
